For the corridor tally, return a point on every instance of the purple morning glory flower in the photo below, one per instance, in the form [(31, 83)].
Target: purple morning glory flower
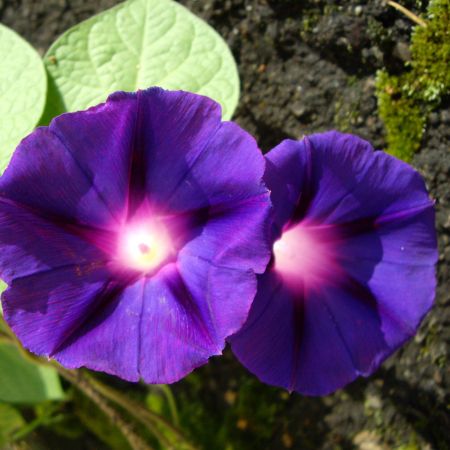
[(352, 273), (130, 235)]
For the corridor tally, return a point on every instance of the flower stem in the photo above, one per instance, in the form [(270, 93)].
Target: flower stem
[(407, 13), (76, 378), (47, 419), (145, 416), (131, 407), (171, 401)]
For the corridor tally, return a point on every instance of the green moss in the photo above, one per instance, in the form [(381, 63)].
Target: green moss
[(310, 19), (412, 445), (403, 118), (404, 101), (430, 52)]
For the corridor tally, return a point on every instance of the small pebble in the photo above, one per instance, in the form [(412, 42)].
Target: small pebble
[(445, 116), (434, 118), (358, 10), (401, 51), (242, 424), (287, 440), (298, 109)]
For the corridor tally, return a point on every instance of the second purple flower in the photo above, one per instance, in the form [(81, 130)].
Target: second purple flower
[(353, 267)]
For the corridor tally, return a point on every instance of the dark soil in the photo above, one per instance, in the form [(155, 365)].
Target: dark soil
[(308, 66)]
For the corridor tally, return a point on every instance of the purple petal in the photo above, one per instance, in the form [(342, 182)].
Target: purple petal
[(77, 170), (226, 293), (290, 340), (46, 308), (353, 272), (176, 128), (111, 339), (177, 333), (288, 175), (350, 182), (396, 264), (193, 159), (30, 244), (109, 129), (235, 236), (161, 328)]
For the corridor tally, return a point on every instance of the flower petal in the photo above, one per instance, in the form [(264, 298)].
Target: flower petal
[(351, 182), (396, 263), (162, 327), (44, 176), (110, 338), (225, 293), (290, 340), (31, 244), (159, 328), (288, 173), (194, 160), (343, 320), (45, 309), (176, 127), (235, 236), (176, 330), (101, 141)]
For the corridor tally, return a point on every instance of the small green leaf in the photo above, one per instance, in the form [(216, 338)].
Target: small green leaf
[(155, 401), (138, 44), (10, 421), (23, 87), (22, 381)]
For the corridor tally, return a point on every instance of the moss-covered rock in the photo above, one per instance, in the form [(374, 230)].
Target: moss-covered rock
[(405, 100)]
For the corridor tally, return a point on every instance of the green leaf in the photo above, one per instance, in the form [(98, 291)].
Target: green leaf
[(135, 45), (23, 87), (10, 421), (22, 381)]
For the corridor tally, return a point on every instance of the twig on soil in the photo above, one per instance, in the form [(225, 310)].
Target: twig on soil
[(415, 18)]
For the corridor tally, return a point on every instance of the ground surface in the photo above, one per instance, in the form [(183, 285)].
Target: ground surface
[(308, 66)]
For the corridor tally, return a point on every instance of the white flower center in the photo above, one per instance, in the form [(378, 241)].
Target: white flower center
[(302, 257), (144, 246)]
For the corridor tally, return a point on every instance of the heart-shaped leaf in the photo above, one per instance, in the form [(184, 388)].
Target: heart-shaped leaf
[(135, 45), (23, 86)]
